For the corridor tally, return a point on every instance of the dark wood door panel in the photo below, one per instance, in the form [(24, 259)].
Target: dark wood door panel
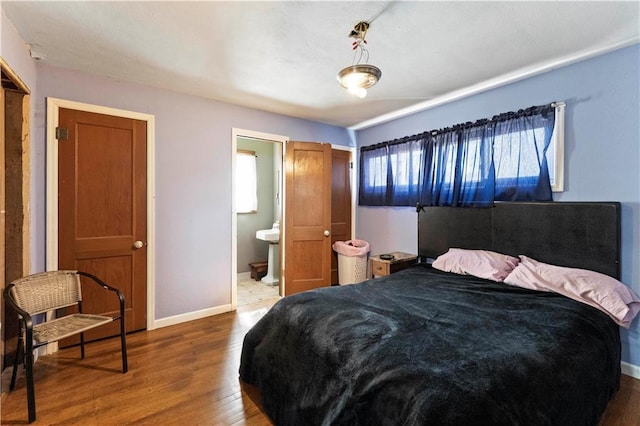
[(340, 203)]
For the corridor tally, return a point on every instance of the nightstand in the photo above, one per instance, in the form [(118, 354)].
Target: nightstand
[(380, 267)]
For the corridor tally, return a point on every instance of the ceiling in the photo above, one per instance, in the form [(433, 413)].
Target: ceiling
[(283, 57)]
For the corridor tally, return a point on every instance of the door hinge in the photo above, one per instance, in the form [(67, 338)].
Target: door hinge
[(351, 164), (62, 133)]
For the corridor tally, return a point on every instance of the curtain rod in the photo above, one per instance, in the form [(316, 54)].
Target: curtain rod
[(555, 104)]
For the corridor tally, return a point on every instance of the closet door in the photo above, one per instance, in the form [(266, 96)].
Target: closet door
[(340, 204), (102, 209)]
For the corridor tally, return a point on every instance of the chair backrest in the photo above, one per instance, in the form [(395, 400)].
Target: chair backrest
[(46, 291)]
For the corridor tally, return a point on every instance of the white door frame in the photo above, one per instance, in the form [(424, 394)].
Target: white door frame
[(250, 134), (53, 108)]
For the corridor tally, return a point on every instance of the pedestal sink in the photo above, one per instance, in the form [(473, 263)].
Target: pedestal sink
[(272, 236)]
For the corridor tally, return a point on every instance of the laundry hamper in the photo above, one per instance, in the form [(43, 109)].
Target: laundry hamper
[(352, 261)]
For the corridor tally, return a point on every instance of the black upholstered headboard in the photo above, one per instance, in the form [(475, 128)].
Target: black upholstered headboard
[(573, 234)]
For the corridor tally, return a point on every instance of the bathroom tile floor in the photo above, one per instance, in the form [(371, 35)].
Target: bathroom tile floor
[(251, 291)]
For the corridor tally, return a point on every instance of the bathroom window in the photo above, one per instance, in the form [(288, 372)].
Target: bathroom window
[(246, 182)]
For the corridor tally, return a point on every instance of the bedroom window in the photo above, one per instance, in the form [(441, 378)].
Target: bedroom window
[(405, 161), (246, 182), (392, 172), (516, 156)]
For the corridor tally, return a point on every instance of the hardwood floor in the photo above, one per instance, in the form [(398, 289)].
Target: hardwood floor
[(183, 374), (624, 408)]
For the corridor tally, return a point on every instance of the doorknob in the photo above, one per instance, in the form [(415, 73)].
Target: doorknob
[(326, 233), (138, 244)]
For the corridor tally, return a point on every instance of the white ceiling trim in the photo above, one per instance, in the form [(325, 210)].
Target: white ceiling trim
[(494, 83)]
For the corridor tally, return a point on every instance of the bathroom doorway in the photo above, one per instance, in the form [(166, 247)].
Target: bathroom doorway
[(246, 248), (257, 260)]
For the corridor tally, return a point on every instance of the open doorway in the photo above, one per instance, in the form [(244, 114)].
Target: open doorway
[(342, 210), (256, 261), (14, 196)]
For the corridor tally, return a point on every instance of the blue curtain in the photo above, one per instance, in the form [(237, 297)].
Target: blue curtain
[(459, 170), (391, 172), (405, 168), (440, 162), (474, 172), (520, 154), (374, 175), (468, 165)]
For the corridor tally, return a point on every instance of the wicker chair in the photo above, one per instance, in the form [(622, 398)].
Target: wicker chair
[(48, 291)]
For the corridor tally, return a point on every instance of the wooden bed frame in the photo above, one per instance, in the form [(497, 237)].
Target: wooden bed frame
[(574, 234)]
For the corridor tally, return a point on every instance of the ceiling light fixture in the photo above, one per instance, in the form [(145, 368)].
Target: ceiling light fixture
[(358, 77)]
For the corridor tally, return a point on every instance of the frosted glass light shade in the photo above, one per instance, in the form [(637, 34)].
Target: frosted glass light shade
[(360, 76)]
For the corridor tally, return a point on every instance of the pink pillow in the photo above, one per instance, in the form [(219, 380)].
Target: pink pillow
[(592, 288), (479, 263)]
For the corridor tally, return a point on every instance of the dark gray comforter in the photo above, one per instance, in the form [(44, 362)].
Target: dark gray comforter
[(426, 347)]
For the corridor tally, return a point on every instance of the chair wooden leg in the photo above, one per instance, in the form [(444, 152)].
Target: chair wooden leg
[(123, 344), (81, 345), (19, 357), (31, 395)]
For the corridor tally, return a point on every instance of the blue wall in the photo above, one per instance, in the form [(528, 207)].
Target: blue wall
[(602, 151)]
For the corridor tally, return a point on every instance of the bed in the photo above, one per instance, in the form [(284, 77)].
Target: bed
[(423, 346)]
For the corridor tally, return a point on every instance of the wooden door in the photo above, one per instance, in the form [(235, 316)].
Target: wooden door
[(340, 203), (102, 216), (307, 238), (3, 317)]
